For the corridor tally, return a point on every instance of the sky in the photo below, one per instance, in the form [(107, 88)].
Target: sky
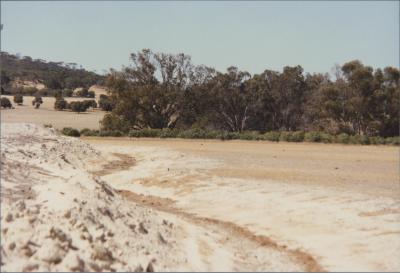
[(253, 36)]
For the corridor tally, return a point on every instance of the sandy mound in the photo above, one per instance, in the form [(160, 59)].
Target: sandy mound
[(56, 216)]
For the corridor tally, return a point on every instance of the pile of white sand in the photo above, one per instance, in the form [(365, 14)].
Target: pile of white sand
[(56, 216)]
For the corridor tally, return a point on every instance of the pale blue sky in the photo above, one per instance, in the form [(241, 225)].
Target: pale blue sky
[(252, 35)]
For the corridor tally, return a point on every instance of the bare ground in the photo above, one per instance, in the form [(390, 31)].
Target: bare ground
[(57, 214), (336, 205)]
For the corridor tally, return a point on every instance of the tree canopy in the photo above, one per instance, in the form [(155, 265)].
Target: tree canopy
[(167, 91)]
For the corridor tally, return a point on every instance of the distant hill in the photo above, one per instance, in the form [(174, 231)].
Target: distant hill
[(17, 70)]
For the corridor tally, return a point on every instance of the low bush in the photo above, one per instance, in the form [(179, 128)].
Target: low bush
[(37, 101), (250, 135), (105, 103), (60, 104), (112, 122), (78, 106), (343, 138), (359, 139), (145, 133), (272, 136), (113, 133), (5, 103), (377, 140), (18, 99), (297, 136), (316, 136), (169, 133), (91, 103), (30, 91), (68, 131), (89, 132), (393, 140)]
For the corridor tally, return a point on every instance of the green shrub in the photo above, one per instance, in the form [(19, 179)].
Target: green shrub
[(30, 91), (78, 106), (377, 140), (169, 133), (212, 134), (5, 103), (18, 99), (192, 134), (48, 126), (113, 133), (91, 94), (90, 103), (112, 122), (393, 140), (67, 92), (224, 135), (343, 138), (88, 132), (250, 135), (37, 101), (297, 136), (359, 139), (68, 131), (316, 136), (272, 136), (105, 103), (60, 104), (145, 133)]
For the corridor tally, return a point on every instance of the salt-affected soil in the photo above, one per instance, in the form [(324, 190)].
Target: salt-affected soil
[(338, 204), (57, 214)]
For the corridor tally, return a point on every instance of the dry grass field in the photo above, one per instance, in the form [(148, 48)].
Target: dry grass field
[(47, 115)]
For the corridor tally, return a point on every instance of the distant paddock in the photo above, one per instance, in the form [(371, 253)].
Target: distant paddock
[(47, 115)]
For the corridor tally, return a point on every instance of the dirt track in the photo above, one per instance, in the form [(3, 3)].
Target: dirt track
[(338, 204)]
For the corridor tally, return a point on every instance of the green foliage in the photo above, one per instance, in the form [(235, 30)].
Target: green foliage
[(197, 133), (105, 103), (54, 75), (297, 136), (113, 122), (68, 131), (90, 103), (359, 139), (85, 93), (30, 91), (60, 104), (343, 138), (113, 133), (315, 136), (393, 140), (78, 106), (18, 99), (67, 93), (145, 133), (5, 103), (272, 136), (250, 135), (89, 132), (377, 140), (37, 101)]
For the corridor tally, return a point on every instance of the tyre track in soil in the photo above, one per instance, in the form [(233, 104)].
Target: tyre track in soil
[(125, 162)]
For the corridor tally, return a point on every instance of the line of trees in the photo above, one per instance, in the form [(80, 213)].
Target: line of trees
[(54, 75), (167, 91)]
